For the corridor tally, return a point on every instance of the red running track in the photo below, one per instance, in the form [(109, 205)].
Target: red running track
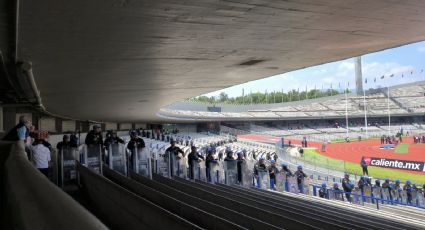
[(354, 151)]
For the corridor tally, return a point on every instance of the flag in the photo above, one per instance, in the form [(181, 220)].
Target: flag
[(422, 70), (382, 76), (402, 75), (339, 85), (365, 80), (392, 75), (411, 72), (374, 80)]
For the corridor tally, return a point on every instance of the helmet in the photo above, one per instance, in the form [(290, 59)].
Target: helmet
[(387, 180), (346, 174), (284, 165), (133, 133), (323, 185), (300, 167), (261, 159), (377, 182), (408, 182), (335, 184), (397, 181), (273, 161)]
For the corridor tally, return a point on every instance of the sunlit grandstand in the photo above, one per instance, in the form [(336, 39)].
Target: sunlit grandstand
[(403, 100)]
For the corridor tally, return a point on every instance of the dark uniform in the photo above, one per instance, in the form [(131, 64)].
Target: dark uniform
[(191, 158), (135, 142), (348, 187), (173, 151)]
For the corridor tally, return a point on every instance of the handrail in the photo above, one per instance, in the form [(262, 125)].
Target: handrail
[(365, 197), (33, 202)]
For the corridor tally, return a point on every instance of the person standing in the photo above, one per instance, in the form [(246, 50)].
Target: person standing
[(240, 161), (173, 152), (259, 167), (408, 189), (94, 137), (133, 146), (363, 164), (347, 186), (300, 175), (273, 170), (23, 125), (193, 158), (40, 156)]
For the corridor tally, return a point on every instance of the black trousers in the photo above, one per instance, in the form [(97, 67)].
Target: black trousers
[(365, 171)]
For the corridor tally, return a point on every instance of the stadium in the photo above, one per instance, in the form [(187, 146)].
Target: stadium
[(323, 120), (123, 114)]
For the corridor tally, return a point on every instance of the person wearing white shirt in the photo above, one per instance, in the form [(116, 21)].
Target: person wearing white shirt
[(40, 156)]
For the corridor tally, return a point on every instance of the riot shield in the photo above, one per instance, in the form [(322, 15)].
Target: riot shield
[(263, 180), (397, 196), (93, 157), (216, 172), (420, 199), (336, 194), (293, 184), (281, 181), (247, 170), (368, 193), (307, 189), (199, 171), (377, 192), (178, 166), (230, 172), (142, 162), (68, 173), (386, 195), (117, 158)]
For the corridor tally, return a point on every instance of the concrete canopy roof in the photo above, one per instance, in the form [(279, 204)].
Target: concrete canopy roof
[(122, 60)]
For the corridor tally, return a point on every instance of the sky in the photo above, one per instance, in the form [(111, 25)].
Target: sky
[(400, 61)]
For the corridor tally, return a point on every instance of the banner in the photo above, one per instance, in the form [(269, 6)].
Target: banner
[(395, 164)]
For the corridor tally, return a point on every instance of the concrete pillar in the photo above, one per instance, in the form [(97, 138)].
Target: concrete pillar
[(359, 78)]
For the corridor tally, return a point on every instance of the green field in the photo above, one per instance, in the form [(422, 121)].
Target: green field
[(402, 149), (313, 157)]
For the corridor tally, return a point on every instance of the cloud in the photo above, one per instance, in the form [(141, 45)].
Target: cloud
[(376, 69), (328, 80), (421, 49)]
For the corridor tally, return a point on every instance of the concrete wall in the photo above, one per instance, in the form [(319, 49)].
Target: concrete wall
[(33, 202)]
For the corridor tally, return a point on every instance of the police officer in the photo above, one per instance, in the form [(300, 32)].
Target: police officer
[(209, 160), (397, 190), (135, 143), (273, 170), (192, 159), (112, 138), (323, 191), (387, 186), (286, 170), (337, 192), (173, 152), (259, 167), (408, 188), (229, 154), (94, 137), (348, 186), (240, 161), (65, 143), (300, 175)]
